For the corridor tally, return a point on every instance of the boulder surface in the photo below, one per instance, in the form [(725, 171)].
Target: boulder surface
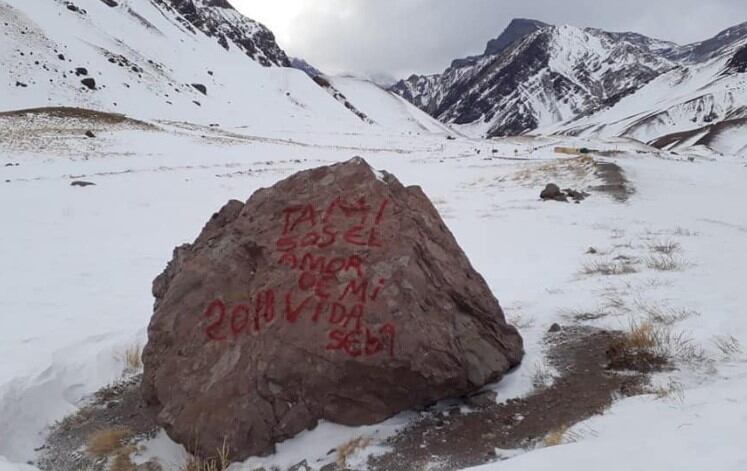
[(336, 294)]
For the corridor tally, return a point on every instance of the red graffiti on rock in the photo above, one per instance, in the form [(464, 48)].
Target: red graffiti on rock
[(329, 289)]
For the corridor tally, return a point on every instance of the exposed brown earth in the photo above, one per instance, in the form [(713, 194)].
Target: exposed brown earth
[(709, 134), (615, 182), (119, 405), (450, 440), (444, 438)]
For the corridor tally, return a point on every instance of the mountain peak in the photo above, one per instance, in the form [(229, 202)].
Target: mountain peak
[(517, 29)]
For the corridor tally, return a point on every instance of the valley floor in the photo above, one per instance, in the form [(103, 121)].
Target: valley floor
[(78, 261)]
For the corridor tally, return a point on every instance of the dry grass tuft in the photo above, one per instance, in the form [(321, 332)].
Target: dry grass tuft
[(660, 341), (108, 441), (562, 436), (584, 315), (122, 461), (614, 303), (728, 345), (618, 266), (556, 437), (666, 262), (665, 247), (542, 376), (220, 462), (345, 451), (672, 390), (624, 245), (648, 347), (665, 315), (611, 305), (617, 234), (522, 322), (131, 356), (199, 464), (642, 336), (682, 232)]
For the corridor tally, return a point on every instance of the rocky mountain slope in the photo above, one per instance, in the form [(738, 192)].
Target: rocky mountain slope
[(301, 64), (218, 19), (426, 91), (712, 47), (738, 63), (537, 77), (700, 102), (199, 61)]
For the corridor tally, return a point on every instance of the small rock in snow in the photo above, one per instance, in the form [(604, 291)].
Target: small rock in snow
[(552, 192), (200, 88), (89, 83), (576, 195)]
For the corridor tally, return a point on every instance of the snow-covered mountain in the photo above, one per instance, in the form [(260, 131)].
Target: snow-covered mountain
[(700, 102), (713, 47), (427, 91), (199, 61), (550, 75), (543, 78)]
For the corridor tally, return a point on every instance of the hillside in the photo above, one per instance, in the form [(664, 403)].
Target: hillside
[(689, 105), (181, 60)]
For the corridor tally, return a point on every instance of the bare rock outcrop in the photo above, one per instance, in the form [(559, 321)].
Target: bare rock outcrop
[(336, 294)]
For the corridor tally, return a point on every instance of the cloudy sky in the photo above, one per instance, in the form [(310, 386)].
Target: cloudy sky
[(400, 37)]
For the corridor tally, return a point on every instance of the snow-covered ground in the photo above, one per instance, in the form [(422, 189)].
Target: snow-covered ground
[(77, 265)]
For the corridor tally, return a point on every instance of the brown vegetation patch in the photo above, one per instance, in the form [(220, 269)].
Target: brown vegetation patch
[(106, 441), (62, 112), (115, 418)]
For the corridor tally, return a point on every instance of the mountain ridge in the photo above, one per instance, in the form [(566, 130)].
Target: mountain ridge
[(549, 75)]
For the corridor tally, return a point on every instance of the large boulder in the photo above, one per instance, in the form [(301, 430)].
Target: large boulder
[(336, 294)]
